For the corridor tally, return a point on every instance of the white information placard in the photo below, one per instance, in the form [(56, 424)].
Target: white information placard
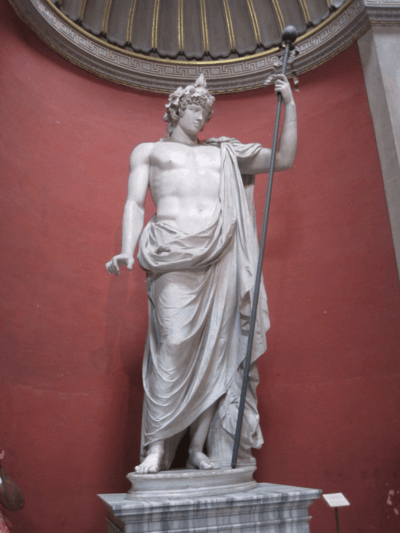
[(336, 499)]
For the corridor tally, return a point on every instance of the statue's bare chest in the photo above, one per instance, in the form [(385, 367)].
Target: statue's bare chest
[(181, 169), (168, 156)]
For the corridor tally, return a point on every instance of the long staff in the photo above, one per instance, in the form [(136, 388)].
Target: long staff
[(288, 37)]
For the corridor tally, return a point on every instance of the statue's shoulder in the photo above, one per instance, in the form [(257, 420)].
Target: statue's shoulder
[(142, 151)]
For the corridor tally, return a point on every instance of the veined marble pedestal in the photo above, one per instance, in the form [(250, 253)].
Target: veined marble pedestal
[(267, 508)]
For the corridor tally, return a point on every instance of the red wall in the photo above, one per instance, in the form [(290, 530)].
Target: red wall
[(73, 337)]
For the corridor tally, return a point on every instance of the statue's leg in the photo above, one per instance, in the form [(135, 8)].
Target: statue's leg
[(198, 434), (154, 461)]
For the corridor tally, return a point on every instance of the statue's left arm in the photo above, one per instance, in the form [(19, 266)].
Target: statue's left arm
[(288, 139)]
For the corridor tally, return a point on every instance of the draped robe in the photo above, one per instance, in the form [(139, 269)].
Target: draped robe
[(200, 289)]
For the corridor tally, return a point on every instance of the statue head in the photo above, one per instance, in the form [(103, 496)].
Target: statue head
[(191, 94)]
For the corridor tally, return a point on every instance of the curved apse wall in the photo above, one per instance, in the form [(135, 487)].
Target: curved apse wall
[(73, 338)]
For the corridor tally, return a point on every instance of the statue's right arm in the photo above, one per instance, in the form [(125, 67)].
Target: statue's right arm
[(133, 219)]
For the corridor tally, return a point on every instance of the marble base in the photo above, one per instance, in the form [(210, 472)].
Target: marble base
[(268, 509), (171, 484)]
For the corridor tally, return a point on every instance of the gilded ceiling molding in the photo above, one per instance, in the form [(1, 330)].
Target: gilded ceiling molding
[(181, 35), (204, 27), (82, 8), (114, 63), (129, 27), (106, 16), (154, 33), (228, 21), (306, 13), (254, 21), (279, 15)]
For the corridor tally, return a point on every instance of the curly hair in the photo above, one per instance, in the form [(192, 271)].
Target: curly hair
[(180, 99)]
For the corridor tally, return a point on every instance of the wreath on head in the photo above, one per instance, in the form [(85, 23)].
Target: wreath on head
[(184, 96)]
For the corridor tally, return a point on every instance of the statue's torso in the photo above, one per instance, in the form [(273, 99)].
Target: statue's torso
[(184, 183)]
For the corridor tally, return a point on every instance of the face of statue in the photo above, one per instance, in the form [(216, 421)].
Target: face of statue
[(193, 119)]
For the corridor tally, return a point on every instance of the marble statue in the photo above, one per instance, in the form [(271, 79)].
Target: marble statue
[(199, 252)]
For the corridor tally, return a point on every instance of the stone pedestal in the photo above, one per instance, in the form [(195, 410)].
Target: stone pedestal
[(268, 509)]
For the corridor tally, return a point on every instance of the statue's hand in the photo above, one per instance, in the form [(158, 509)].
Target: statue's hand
[(282, 86), (120, 259)]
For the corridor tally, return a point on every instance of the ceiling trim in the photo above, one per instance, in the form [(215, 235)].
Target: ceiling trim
[(125, 67)]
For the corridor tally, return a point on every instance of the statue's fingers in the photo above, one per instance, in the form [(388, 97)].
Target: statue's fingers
[(130, 263), (115, 266), (271, 79), (115, 271), (279, 86)]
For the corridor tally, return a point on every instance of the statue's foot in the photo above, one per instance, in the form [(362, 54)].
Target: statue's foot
[(201, 461), (152, 464)]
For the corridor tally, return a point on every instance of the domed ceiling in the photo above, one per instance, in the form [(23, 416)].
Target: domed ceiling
[(160, 44), (196, 29)]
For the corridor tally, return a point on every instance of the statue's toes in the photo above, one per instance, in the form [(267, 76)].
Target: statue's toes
[(205, 465), (142, 469)]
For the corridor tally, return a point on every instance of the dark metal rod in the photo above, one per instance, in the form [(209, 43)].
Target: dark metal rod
[(337, 520), (259, 270)]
